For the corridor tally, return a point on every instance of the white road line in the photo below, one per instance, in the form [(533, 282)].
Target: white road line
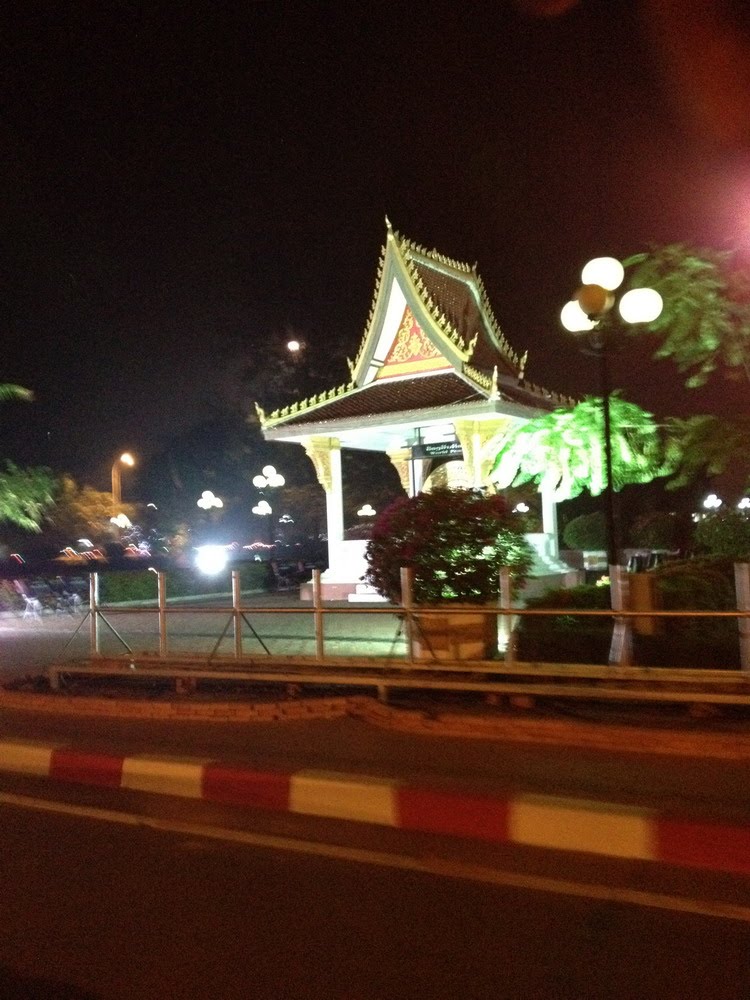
[(441, 867)]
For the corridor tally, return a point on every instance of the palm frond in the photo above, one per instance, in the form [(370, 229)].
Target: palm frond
[(9, 391)]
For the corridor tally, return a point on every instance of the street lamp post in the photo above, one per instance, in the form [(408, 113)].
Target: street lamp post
[(267, 478), (125, 459), (590, 313)]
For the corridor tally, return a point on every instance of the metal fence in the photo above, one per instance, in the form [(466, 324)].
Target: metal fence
[(387, 646), (402, 633)]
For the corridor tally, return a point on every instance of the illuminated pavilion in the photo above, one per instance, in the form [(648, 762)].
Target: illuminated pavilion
[(434, 379)]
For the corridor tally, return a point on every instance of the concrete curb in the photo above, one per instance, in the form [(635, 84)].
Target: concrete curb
[(601, 736), (189, 709), (539, 821), (557, 732)]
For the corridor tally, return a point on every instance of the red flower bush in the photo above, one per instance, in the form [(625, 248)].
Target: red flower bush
[(456, 540)]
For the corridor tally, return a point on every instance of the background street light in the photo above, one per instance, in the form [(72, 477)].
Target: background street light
[(269, 478), (208, 500), (264, 509), (125, 459), (590, 313)]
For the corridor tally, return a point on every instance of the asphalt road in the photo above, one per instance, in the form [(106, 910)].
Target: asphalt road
[(174, 902), (119, 894)]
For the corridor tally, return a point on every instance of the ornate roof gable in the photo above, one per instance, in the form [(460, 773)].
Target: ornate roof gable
[(423, 296), (429, 317)]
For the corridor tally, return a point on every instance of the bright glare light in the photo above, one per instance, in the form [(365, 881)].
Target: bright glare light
[(574, 319), (607, 272), (521, 508), (122, 521), (126, 458), (744, 503), (262, 508), (367, 511), (641, 305), (712, 502), (210, 559), (293, 346), (208, 500)]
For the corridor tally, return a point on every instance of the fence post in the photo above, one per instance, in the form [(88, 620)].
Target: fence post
[(407, 603), (94, 612), (236, 605), (621, 649), (161, 594), (742, 589), (506, 628), (318, 612)]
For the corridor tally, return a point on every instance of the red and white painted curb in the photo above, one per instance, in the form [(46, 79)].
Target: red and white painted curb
[(534, 820)]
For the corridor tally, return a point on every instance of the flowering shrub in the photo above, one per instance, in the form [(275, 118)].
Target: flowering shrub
[(456, 540)]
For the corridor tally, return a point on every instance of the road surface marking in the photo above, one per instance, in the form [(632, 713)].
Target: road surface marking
[(440, 867)]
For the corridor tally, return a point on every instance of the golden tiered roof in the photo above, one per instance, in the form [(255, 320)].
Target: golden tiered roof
[(455, 310)]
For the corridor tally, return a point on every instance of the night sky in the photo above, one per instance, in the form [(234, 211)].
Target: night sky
[(179, 185)]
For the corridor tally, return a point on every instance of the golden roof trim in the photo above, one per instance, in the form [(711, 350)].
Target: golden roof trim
[(304, 405), (479, 378), (410, 247), (489, 384), (443, 322), (354, 365)]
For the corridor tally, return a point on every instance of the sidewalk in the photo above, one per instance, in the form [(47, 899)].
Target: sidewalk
[(553, 783)]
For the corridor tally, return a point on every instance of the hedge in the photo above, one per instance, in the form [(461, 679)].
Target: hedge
[(141, 585), (691, 585)]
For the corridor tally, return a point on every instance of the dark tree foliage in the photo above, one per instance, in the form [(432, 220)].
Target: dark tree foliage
[(725, 534), (705, 323), (587, 532)]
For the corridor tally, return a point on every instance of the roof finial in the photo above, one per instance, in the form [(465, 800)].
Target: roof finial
[(494, 391), (522, 367)]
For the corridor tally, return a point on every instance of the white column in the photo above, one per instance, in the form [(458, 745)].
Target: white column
[(549, 515), (335, 496), (401, 461), (416, 476), (477, 438), (471, 434), (325, 455)]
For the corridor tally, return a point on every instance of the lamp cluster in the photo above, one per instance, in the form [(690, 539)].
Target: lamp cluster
[(600, 279), (269, 477), (208, 500)]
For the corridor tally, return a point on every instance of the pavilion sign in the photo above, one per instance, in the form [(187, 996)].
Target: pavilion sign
[(440, 449)]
